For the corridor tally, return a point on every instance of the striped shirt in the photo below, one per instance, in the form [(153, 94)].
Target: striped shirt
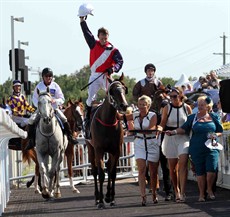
[(19, 105)]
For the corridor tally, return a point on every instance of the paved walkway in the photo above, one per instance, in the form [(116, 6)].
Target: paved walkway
[(23, 202)]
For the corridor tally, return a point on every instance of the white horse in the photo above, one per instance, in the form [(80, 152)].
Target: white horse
[(50, 142)]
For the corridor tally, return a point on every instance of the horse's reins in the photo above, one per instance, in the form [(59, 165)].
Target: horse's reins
[(93, 80)]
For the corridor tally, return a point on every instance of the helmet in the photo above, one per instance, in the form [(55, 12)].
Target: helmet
[(17, 83), (85, 9), (46, 71), (150, 66)]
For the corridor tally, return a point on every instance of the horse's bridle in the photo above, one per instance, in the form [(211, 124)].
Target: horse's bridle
[(111, 98), (52, 113)]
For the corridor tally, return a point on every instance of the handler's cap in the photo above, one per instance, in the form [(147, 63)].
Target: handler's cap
[(150, 66), (17, 83)]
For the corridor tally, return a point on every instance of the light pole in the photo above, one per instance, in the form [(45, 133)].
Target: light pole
[(26, 43), (20, 19)]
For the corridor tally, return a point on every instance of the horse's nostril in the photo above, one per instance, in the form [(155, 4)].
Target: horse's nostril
[(124, 106)]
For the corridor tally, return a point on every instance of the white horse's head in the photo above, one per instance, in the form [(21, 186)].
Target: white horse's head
[(45, 108)]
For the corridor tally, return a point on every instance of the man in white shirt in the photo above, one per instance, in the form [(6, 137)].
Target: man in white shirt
[(57, 100)]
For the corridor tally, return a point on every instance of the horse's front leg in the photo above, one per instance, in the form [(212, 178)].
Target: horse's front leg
[(69, 152), (101, 175), (44, 180), (57, 191), (113, 178), (107, 196), (37, 187), (113, 174), (91, 155)]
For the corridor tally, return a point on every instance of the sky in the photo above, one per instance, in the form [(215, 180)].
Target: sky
[(178, 37)]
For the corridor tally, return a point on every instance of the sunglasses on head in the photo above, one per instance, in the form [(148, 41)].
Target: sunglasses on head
[(173, 96)]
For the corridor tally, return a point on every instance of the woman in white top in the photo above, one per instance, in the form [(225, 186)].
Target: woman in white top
[(176, 148), (146, 148)]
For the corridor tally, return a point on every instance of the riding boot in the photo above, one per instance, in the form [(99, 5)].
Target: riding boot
[(69, 133), (31, 136), (87, 122)]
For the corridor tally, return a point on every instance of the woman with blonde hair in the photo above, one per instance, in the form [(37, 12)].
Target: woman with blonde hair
[(146, 147), (204, 125)]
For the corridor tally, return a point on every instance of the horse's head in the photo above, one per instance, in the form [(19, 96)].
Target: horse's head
[(45, 108), (75, 113), (160, 98), (116, 94)]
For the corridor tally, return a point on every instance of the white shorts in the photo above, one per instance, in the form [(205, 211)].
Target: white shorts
[(174, 146), (152, 153)]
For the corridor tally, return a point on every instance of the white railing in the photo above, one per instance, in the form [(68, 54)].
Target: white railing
[(12, 168), (8, 130)]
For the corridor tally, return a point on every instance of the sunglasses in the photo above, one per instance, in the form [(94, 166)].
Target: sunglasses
[(173, 96), (48, 76)]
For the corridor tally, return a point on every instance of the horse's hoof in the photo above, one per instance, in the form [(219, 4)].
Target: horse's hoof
[(96, 202), (101, 206), (107, 200), (57, 195), (113, 203), (37, 191), (45, 196), (28, 184), (75, 190)]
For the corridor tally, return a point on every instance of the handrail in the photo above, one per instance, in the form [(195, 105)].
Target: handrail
[(8, 130)]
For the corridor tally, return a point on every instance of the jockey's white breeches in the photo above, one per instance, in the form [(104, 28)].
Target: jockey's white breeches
[(20, 120), (100, 83)]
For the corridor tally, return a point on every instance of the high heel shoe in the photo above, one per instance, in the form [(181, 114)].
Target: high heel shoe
[(211, 197), (144, 201), (177, 199), (155, 199), (201, 199), (182, 198)]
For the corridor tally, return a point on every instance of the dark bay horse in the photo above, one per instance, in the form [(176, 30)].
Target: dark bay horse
[(107, 137), (74, 113)]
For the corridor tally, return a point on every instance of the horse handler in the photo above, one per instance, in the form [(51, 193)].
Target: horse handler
[(146, 146), (57, 100)]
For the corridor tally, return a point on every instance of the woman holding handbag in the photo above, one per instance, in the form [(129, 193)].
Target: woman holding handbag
[(205, 125)]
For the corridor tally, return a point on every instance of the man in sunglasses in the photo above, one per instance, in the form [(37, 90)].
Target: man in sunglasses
[(57, 100)]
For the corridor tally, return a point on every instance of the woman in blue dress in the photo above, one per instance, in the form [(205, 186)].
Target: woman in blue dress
[(204, 125)]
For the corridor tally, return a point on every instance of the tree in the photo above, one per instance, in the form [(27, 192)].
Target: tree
[(167, 81), (6, 89)]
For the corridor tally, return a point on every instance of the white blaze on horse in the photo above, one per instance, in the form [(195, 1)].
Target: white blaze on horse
[(50, 142)]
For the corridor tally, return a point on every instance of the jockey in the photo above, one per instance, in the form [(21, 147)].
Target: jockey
[(104, 57), (57, 100), (19, 105)]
